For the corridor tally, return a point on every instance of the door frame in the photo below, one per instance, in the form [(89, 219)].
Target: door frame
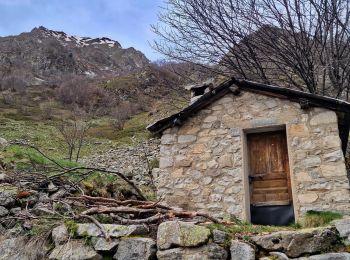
[(245, 156)]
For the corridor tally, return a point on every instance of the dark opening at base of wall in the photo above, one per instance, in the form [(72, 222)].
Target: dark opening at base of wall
[(272, 215)]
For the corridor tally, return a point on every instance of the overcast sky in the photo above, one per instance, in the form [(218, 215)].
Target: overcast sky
[(127, 21)]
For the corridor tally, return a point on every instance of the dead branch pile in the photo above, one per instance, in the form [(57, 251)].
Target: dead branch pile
[(134, 211), (57, 183)]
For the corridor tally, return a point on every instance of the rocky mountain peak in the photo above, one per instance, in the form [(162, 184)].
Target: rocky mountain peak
[(49, 54), (66, 39)]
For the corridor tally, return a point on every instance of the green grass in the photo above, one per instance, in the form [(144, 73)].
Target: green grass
[(26, 157), (320, 218), (134, 130)]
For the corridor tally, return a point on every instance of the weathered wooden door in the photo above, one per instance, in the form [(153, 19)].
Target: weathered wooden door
[(269, 170)]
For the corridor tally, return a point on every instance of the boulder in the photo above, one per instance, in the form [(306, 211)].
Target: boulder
[(279, 256), (328, 256), (9, 249), (2, 230), (176, 233), (136, 249), (296, 243), (113, 230), (343, 227), (7, 195), (76, 250), (207, 252), (102, 245), (60, 235), (3, 177), (58, 194), (219, 236), (21, 248), (3, 211), (3, 143), (241, 251), (15, 211), (41, 209)]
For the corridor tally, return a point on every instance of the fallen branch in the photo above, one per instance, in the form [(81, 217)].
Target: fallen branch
[(101, 201), (119, 174), (149, 220), (39, 151), (138, 211)]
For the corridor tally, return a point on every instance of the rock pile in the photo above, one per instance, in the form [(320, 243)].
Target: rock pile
[(132, 160)]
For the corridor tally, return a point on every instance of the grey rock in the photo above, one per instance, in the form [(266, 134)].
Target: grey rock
[(102, 245), (3, 177), (235, 132), (296, 243), (52, 187), (3, 143), (15, 211), (219, 236), (328, 256), (74, 250), (279, 256), (19, 248), (177, 233), (90, 229), (3, 211), (186, 138), (334, 156), (9, 249), (343, 227), (136, 249), (241, 251), (58, 194), (2, 229), (8, 195), (263, 122), (42, 209), (60, 235), (43, 197), (14, 232), (207, 252)]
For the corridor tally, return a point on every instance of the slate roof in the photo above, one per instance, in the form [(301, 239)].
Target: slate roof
[(236, 86)]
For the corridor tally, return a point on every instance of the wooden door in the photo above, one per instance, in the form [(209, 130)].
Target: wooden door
[(269, 169)]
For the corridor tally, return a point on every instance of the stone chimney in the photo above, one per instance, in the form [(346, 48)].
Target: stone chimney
[(198, 90)]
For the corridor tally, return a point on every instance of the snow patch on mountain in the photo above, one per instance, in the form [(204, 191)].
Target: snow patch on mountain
[(79, 41)]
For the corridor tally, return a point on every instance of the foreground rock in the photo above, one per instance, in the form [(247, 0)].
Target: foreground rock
[(60, 235), (103, 246), (343, 227), (22, 249), (241, 251), (176, 233), (329, 256), (136, 249), (207, 252), (112, 230), (74, 249), (296, 243), (7, 195)]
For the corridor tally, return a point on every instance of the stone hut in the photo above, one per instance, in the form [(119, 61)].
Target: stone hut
[(262, 153)]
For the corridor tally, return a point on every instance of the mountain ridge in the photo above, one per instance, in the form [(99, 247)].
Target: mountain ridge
[(47, 54)]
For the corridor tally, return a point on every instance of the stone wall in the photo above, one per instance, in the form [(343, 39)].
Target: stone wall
[(175, 240), (202, 163)]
